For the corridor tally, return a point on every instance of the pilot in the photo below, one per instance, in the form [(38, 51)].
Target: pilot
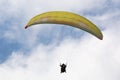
[(63, 68)]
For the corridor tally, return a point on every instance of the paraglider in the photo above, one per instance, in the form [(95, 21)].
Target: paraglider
[(66, 18), (63, 68)]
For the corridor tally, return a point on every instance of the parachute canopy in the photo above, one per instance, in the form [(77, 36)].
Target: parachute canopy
[(66, 18)]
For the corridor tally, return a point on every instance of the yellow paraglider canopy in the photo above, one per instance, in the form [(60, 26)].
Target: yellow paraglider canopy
[(66, 18)]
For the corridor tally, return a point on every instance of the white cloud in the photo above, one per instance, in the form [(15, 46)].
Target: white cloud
[(87, 58)]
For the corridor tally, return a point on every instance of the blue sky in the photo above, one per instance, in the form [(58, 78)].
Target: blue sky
[(35, 53)]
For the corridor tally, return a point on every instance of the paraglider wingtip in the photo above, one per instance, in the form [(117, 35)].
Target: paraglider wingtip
[(101, 38), (26, 27)]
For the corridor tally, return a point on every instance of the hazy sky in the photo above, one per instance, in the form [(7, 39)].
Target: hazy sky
[(35, 53)]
